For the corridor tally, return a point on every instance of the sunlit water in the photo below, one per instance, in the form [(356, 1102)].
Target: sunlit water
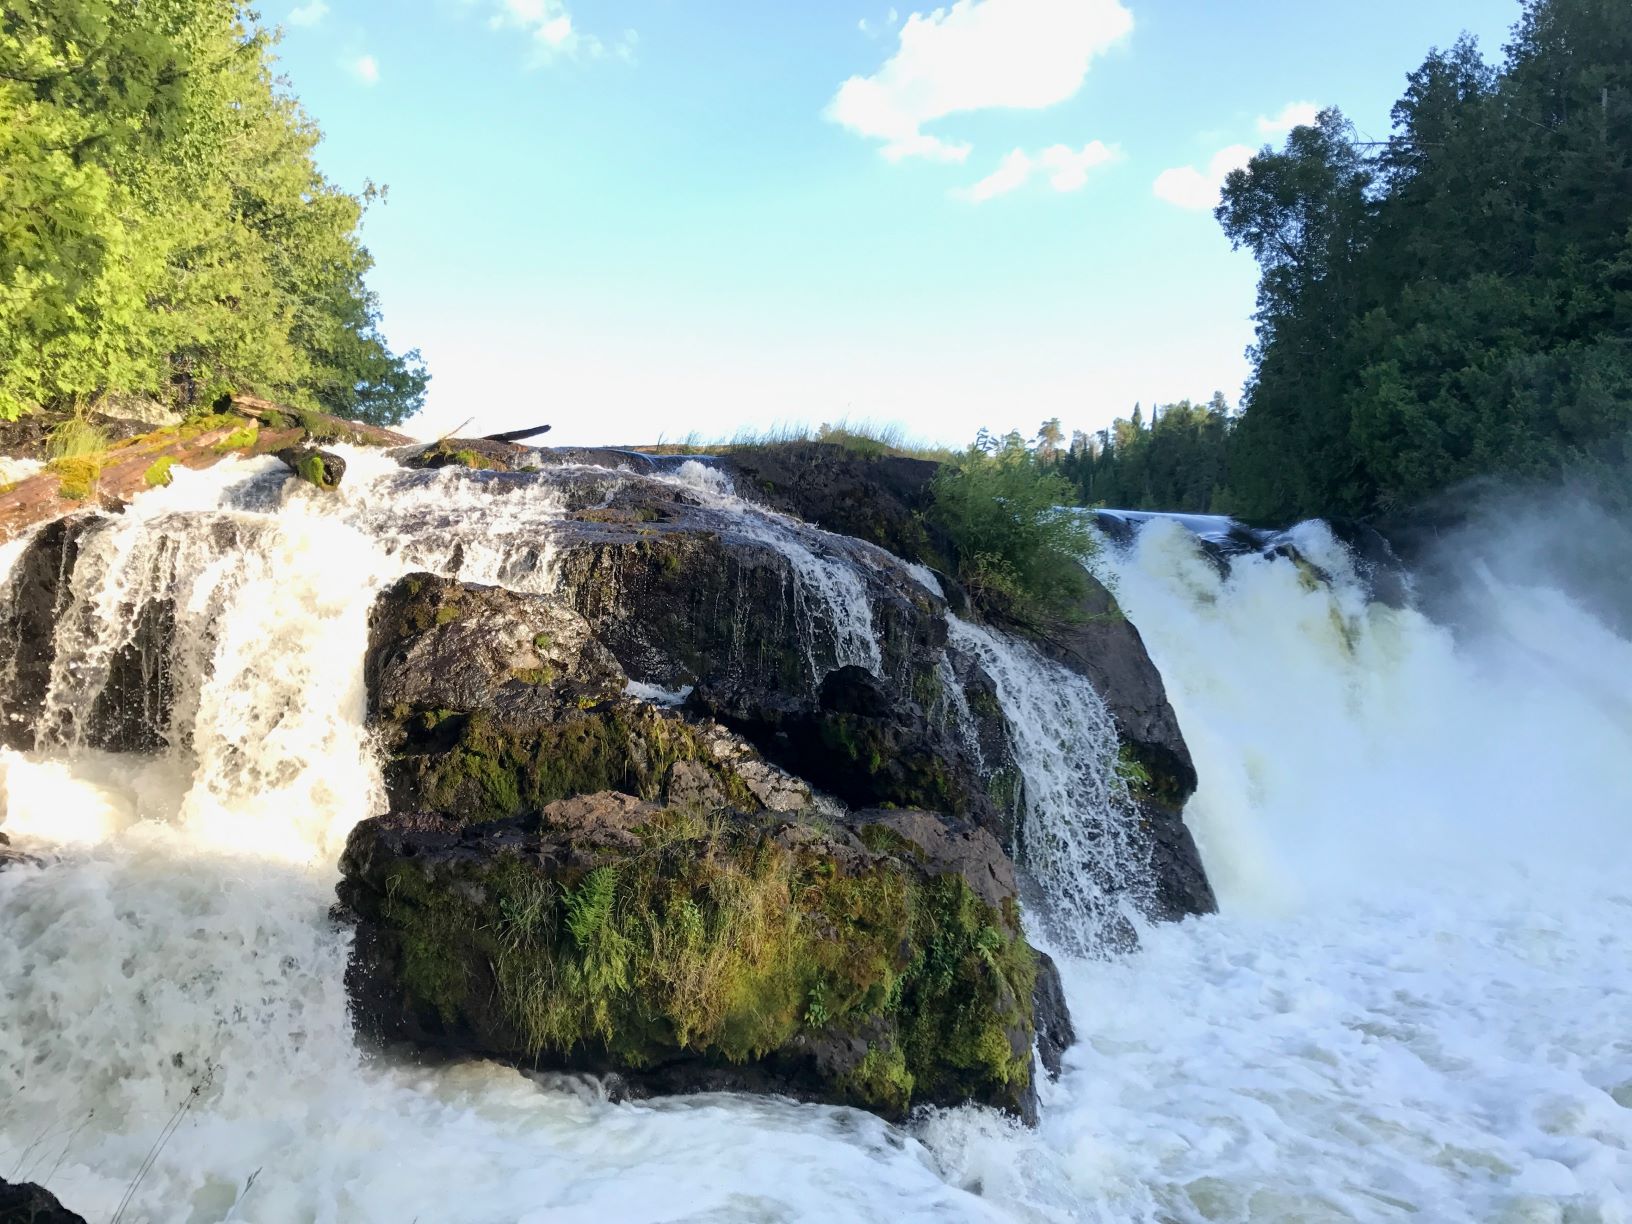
[(1417, 1003)]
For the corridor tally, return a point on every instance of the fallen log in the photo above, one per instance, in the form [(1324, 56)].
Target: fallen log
[(517, 435), (112, 477)]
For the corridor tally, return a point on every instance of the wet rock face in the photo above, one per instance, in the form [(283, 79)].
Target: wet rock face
[(1102, 645), (842, 962), (28, 617), (26, 1203), (882, 499)]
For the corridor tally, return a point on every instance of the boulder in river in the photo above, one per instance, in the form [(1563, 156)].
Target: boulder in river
[(689, 949)]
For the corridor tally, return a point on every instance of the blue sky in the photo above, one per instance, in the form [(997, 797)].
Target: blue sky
[(641, 218)]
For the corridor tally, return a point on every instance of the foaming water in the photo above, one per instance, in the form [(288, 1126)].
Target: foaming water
[(1417, 1001), (1415, 1004)]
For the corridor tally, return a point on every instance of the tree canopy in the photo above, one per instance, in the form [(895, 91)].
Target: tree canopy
[(164, 229), (1456, 301)]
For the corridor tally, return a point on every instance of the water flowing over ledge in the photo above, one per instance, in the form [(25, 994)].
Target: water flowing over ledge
[(1416, 994)]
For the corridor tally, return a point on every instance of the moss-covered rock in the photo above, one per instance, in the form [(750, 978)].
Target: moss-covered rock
[(320, 468), (477, 454), (687, 950)]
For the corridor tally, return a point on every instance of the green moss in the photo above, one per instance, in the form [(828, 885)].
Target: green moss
[(543, 642), (158, 472), (211, 421), (242, 438), (714, 938), (447, 613), (492, 772), (883, 1080), (314, 470), (77, 475)]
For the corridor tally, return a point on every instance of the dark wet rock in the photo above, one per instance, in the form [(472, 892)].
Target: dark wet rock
[(26, 1203), (863, 742), (38, 592), (1180, 884), (883, 499), (1055, 1032), (830, 961), (1101, 644), (321, 469), (132, 710)]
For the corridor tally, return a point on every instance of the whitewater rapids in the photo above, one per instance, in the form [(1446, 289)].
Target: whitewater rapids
[(1416, 1002)]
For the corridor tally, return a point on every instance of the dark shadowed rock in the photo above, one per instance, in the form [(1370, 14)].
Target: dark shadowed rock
[(38, 592), (26, 1203), (1055, 1032), (883, 499)]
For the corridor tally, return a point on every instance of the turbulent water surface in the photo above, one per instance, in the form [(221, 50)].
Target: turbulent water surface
[(1416, 1003)]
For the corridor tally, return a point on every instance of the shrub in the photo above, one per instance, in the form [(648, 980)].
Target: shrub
[(1019, 553)]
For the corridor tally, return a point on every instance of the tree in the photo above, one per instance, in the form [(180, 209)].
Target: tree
[(163, 228), (1454, 304)]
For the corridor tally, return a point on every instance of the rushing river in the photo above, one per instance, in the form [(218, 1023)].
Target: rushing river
[(1416, 1002)]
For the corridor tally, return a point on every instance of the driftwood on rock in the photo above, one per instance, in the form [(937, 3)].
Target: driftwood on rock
[(517, 435), (113, 476)]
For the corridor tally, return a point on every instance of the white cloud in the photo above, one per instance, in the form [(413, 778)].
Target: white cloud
[(1188, 187), (977, 55), (1067, 170), (309, 14), (549, 27), (366, 69), (1293, 114)]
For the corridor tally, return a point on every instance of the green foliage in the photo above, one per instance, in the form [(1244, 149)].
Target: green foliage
[(712, 937), (1176, 462), (163, 228), (1457, 302), (1019, 555)]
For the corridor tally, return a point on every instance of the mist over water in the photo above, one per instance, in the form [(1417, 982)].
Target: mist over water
[(1415, 1004)]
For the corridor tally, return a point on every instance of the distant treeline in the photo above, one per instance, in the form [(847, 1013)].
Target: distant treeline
[(1450, 303), (163, 229)]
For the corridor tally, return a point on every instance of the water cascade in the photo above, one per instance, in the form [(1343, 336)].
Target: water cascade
[(1413, 1002)]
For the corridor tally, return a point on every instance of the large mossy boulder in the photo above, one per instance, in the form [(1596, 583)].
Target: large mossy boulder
[(874, 961), (582, 870)]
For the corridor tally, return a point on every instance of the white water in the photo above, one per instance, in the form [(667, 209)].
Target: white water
[(1416, 1004), (1076, 825)]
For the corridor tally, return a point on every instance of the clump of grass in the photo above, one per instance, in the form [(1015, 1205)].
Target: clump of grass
[(76, 438)]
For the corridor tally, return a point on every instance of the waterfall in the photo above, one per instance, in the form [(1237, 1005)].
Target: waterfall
[(1087, 869), (1413, 1002)]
